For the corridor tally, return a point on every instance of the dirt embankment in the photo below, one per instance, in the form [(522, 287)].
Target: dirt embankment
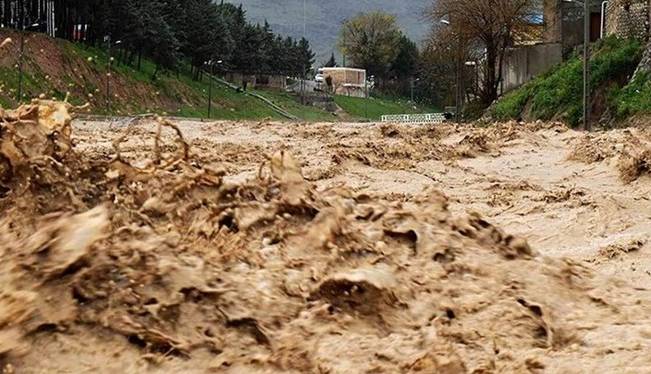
[(152, 247), (60, 68)]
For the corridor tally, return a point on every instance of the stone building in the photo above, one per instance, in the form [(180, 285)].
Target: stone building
[(628, 18), (564, 22)]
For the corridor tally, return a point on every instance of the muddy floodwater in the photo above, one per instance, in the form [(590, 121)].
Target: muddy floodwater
[(150, 246)]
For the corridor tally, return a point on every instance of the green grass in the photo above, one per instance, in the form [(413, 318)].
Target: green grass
[(558, 94), (290, 104), (634, 98), (170, 93), (375, 107), (226, 103)]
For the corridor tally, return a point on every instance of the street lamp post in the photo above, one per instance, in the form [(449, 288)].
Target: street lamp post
[(586, 61), (459, 94), (368, 96), (366, 102), (108, 73), (459, 79), (413, 82), (475, 66), (21, 59), (210, 78)]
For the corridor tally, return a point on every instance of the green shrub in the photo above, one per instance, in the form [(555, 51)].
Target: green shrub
[(512, 104), (634, 98)]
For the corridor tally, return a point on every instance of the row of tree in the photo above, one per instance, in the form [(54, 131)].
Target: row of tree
[(169, 32)]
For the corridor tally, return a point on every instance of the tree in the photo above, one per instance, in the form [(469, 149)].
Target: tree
[(437, 70), (208, 37), (332, 62), (306, 57), (168, 32), (493, 24), (406, 63), (371, 41)]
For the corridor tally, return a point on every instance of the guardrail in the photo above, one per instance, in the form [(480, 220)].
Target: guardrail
[(415, 118)]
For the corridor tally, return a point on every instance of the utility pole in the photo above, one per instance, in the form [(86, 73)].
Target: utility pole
[(303, 73), (368, 94), (586, 65)]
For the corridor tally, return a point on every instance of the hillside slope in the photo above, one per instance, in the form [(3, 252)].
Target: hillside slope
[(54, 67), (324, 18), (558, 94)]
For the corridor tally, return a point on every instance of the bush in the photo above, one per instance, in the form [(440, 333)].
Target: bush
[(512, 104), (634, 98)]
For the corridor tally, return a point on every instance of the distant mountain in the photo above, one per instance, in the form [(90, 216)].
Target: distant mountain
[(324, 18)]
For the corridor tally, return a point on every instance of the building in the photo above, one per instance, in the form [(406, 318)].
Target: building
[(534, 51), (628, 18), (346, 81), (552, 35), (564, 23)]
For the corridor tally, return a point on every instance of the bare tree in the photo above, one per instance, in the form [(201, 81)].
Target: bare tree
[(492, 24)]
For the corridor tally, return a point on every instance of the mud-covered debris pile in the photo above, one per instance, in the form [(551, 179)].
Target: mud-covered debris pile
[(591, 148), (635, 163), (402, 146), (272, 275), (631, 152), (33, 133)]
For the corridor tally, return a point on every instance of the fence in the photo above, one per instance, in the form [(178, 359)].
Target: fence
[(415, 118)]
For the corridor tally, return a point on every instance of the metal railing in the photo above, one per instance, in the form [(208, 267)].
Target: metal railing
[(415, 118)]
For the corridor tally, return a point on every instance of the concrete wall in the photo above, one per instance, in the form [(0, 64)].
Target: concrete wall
[(525, 63), (253, 81), (271, 81)]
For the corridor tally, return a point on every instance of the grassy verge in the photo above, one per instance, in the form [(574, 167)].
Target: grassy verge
[(633, 99), (191, 95), (81, 70), (558, 94), (374, 107), (290, 104)]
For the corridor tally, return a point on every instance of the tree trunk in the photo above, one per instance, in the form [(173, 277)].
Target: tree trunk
[(491, 84)]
